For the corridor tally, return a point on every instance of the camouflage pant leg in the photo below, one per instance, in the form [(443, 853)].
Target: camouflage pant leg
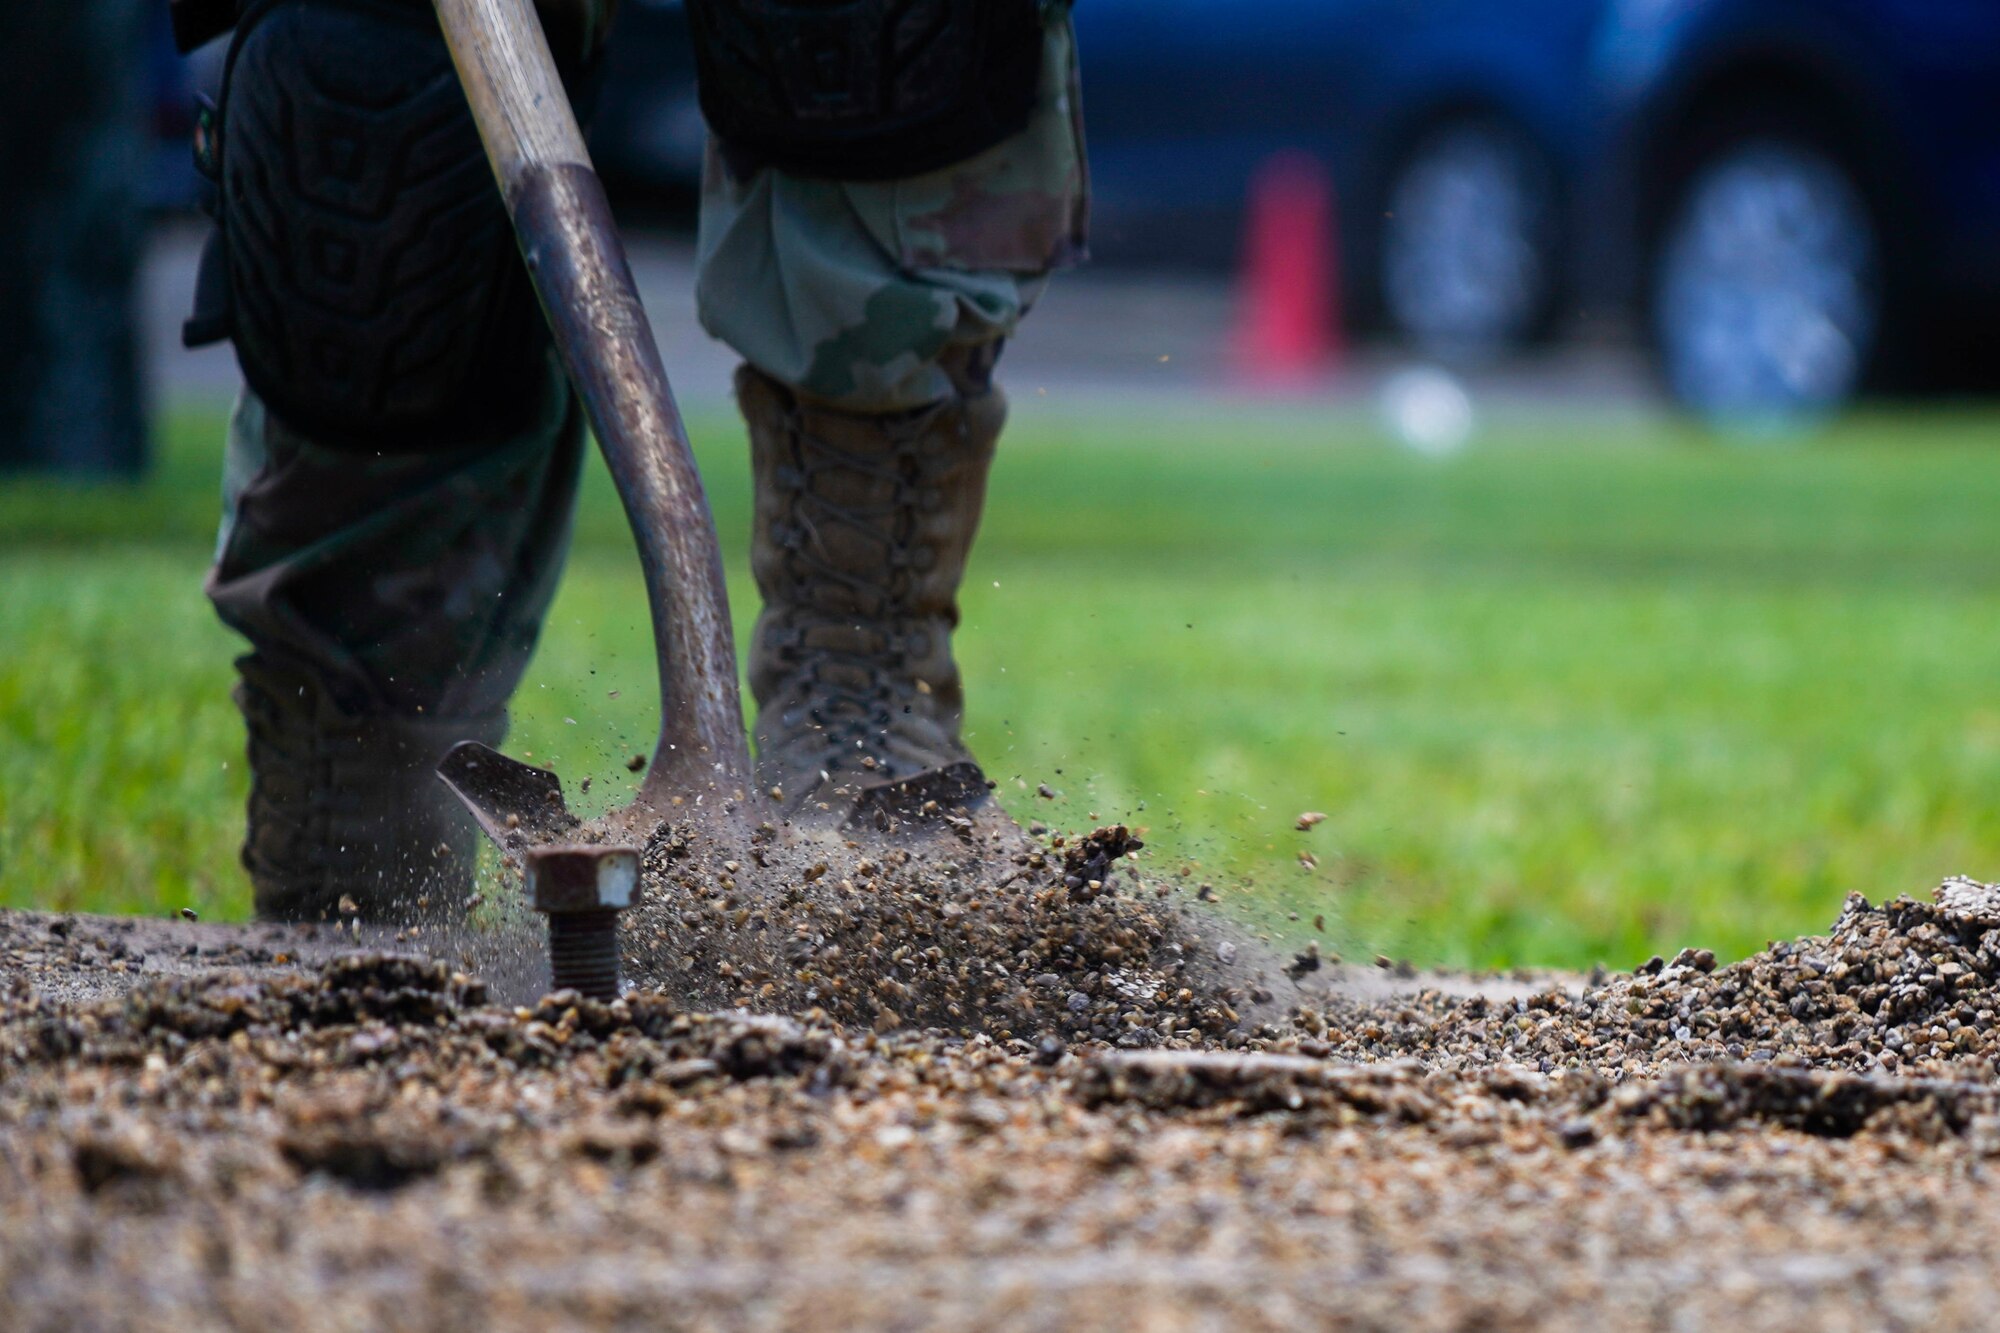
[(402, 582), (851, 291)]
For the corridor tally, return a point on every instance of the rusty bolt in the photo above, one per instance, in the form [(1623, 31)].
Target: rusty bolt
[(581, 890)]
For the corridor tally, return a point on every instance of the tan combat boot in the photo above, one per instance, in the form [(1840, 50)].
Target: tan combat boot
[(345, 807), (863, 524)]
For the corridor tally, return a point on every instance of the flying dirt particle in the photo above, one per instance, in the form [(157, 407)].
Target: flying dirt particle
[(189, 914), (347, 905), (586, 785), (1319, 923), (1045, 791), (1306, 821), (635, 763), (1309, 861)]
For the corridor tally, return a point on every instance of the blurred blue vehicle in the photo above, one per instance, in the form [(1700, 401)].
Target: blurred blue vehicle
[(1799, 198), (1449, 128)]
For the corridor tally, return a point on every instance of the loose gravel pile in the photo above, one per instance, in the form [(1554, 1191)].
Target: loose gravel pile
[(288, 1136), (1060, 941)]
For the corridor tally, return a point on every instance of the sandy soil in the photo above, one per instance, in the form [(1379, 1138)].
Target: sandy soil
[(247, 1127)]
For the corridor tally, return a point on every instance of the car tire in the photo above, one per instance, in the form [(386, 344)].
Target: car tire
[(1467, 254), (1773, 284)]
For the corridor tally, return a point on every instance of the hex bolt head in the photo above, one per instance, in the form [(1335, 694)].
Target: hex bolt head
[(581, 889)]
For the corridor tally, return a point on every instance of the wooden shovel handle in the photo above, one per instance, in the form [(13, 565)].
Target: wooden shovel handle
[(573, 254), (510, 79)]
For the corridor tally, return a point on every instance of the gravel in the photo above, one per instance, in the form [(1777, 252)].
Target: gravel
[(281, 1129)]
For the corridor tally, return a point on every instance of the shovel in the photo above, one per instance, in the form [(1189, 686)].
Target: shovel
[(700, 768)]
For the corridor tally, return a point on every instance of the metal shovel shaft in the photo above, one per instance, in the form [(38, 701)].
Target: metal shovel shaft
[(578, 266)]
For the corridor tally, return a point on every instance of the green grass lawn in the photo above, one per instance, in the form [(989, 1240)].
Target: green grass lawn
[(1585, 692)]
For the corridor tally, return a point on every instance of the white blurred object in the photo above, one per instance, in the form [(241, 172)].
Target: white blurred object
[(1428, 410)]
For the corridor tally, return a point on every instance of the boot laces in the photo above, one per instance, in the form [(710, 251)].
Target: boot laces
[(853, 694)]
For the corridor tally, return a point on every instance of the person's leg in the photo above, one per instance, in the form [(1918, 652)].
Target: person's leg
[(402, 463), (870, 315), (391, 604)]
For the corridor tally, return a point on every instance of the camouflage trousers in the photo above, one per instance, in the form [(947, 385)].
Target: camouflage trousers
[(419, 581)]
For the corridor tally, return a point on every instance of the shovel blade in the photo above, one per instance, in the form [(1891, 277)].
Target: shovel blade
[(930, 797), (515, 803)]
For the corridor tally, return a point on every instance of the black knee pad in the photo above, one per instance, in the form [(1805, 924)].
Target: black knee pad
[(365, 267), (864, 89)]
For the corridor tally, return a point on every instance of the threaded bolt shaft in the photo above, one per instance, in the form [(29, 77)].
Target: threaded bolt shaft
[(581, 890), (583, 952)]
